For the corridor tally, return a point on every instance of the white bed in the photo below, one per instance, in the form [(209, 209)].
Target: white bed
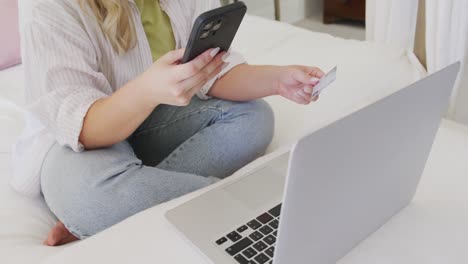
[(367, 71)]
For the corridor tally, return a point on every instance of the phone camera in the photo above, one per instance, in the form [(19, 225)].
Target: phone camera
[(208, 26), (217, 25), (205, 34)]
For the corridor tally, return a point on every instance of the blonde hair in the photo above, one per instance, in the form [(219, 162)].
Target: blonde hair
[(116, 21)]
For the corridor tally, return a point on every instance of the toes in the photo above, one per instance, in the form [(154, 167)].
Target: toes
[(68, 239), (52, 239), (58, 233)]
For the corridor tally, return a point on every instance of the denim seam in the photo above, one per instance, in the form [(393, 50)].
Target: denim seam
[(165, 124), (180, 148), (191, 139), (75, 231)]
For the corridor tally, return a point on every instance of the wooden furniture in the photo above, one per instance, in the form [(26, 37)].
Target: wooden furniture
[(334, 10)]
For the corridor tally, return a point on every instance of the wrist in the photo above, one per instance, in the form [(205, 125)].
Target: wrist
[(276, 73), (143, 92)]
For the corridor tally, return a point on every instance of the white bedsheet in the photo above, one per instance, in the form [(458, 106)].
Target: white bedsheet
[(431, 230), (366, 70)]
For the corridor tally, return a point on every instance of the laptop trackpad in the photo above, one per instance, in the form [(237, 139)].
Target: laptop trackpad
[(263, 187)]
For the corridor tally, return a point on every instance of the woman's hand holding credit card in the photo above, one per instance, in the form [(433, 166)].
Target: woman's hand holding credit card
[(324, 82)]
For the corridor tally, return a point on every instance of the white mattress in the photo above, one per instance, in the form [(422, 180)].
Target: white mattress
[(366, 71), (431, 230)]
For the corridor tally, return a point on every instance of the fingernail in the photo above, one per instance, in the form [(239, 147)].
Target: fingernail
[(225, 56), (314, 79), (302, 93), (214, 52), (308, 89)]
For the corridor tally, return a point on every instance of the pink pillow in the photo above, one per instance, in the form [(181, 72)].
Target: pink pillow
[(9, 34)]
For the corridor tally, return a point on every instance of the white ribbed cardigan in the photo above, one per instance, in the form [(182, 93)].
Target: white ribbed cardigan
[(69, 64)]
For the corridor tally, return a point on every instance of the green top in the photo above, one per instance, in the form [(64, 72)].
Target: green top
[(157, 27)]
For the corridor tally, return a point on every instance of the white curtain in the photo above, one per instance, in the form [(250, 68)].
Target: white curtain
[(392, 22), (447, 42)]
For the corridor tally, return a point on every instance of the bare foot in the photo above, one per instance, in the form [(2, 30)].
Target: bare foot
[(59, 235)]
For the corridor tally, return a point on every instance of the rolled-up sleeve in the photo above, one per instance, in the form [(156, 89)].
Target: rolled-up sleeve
[(62, 76), (234, 59)]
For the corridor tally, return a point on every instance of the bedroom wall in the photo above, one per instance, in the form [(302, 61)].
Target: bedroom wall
[(263, 8), (291, 10), (461, 106), (296, 10)]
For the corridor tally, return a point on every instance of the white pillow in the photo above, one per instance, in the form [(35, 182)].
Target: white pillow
[(12, 84), (11, 124), (11, 103), (10, 51)]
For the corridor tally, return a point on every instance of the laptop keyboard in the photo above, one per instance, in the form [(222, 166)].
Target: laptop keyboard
[(254, 242)]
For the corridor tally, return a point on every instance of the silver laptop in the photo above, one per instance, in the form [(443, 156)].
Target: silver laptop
[(338, 185)]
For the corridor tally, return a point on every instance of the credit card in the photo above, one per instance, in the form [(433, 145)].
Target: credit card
[(324, 82)]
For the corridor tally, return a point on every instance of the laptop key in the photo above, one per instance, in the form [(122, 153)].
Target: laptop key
[(275, 211), (249, 252), (242, 229), (221, 241), (270, 240), (239, 258), (265, 218), (266, 230), (260, 246), (261, 258), (234, 236), (270, 251), (274, 224), (254, 224), (239, 246), (256, 235)]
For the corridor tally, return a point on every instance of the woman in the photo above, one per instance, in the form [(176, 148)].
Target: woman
[(116, 126)]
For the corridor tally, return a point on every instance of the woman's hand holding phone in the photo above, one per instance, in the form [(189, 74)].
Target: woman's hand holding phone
[(169, 82), (112, 119)]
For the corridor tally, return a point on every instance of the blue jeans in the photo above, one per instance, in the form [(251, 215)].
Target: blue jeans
[(175, 151)]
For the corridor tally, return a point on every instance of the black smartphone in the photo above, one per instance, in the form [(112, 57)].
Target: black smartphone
[(215, 28)]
